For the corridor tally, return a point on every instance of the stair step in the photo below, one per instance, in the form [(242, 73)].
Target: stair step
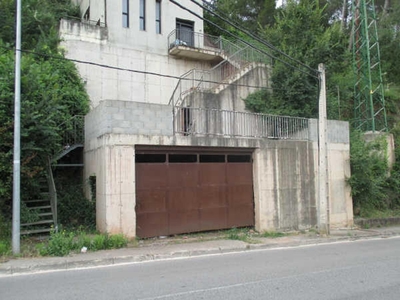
[(45, 214), (36, 230), (36, 201), (38, 222), (40, 207)]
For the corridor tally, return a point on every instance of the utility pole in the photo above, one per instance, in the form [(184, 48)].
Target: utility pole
[(16, 221), (323, 203)]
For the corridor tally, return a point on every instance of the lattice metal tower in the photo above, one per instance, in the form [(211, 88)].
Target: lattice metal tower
[(369, 100)]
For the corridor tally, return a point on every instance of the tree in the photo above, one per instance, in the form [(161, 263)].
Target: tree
[(51, 91), (250, 14), (302, 31)]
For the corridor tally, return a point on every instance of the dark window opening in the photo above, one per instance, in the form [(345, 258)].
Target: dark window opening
[(187, 121), (142, 14), (212, 158), (125, 13), (150, 158), (185, 32), (239, 158), (182, 158), (92, 184), (158, 16)]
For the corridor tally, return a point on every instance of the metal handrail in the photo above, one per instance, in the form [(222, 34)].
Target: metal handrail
[(215, 122), (72, 131), (237, 55), (87, 21), (52, 193), (187, 38)]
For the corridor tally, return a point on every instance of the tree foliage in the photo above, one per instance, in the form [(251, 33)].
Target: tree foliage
[(51, 90), (314, 32)]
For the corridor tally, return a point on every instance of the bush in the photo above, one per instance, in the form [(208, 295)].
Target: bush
[(4, 248), (63, 243), (369, 174), (60, 244)]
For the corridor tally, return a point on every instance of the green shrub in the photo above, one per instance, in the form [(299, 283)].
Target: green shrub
[(74, 209), (369, 174), (116, 241), (4, 248), (60, 244), (99, 242)]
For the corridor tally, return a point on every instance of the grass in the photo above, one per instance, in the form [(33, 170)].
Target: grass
[(272, 234), (63, 243), (379, 214)]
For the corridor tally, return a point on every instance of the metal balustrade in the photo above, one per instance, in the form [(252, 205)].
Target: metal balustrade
[(214, 122), (236, 56)]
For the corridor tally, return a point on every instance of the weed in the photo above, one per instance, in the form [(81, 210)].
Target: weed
[(272, 234), (116, 241), (98, 242), (240, 234), (4, 248), (60, 244), (63, 243)]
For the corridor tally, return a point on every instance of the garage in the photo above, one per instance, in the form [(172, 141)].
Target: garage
[(186, 189)]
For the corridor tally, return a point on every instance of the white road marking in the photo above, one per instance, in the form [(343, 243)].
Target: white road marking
[(199, 256)]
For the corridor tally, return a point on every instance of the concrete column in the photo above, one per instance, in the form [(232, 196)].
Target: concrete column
[(323, 204)]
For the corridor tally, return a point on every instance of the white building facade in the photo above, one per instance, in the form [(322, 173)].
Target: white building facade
[(168, 115)]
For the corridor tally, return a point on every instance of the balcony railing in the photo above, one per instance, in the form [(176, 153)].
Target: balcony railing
[(213, 122), (180, 37)]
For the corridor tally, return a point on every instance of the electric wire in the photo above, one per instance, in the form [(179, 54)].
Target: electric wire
[(238, 27), (136, 71), (243, 41)]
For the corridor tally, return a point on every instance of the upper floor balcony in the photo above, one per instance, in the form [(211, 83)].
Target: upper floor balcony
[(189, 44)]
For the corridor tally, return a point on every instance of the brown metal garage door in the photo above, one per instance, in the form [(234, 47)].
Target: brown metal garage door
[(180, 190)]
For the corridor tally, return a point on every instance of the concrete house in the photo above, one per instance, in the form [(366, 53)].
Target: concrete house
[(168, 140)]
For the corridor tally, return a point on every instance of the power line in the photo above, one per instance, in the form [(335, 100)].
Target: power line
[(235, 25), (243, 41), (136, 71)]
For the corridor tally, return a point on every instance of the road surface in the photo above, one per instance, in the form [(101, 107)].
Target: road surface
[(367, 269)]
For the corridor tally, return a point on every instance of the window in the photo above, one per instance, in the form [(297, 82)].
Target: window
[(125, 13), (142, 14), (158, 16), (185, 32)]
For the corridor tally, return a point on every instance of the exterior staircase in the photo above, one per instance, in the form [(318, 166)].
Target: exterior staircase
[(238, 60), (42, 206)]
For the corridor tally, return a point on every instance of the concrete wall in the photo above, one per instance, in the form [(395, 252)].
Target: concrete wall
[(284, 172), (231, 96), (128, 49)]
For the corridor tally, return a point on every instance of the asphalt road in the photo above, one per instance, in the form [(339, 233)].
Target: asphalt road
[(354, 270)]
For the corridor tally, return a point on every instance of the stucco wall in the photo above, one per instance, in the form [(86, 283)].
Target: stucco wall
[(284, 172)]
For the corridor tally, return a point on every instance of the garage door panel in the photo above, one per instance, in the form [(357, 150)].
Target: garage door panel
[(241, 215), (239, 194), (212, 174), (151, 176), (152, 224), (181, 199), (182, 174), (212, 196), (207, 193), (213, 218), (151, 201), (239, 173), (184, 221)]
